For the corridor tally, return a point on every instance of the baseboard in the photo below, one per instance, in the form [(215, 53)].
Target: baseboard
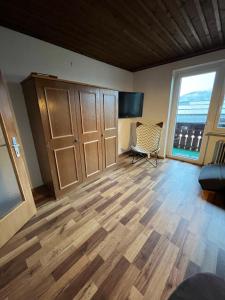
[(183, 160), (128, 152), (124, 153), (161, 157)]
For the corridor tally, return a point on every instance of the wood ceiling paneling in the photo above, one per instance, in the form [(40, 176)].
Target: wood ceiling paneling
[(131, 34)]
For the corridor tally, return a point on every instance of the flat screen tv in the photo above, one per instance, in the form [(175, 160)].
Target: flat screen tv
[(130, 104)]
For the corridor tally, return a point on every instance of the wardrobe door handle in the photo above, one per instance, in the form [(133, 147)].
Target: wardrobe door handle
[(76, 141)]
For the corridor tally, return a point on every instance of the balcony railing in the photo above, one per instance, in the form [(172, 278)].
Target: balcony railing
[(188, 136)]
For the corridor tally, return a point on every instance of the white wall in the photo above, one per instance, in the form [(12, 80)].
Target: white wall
[(20, 55), (156, 84), (125, 133)]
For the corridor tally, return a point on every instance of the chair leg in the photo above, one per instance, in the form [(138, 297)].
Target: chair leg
[(135, 154), (154, 163), (156, 159)]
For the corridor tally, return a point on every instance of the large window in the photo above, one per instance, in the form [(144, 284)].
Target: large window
[(198, 111), (192, 113), (221, 122)]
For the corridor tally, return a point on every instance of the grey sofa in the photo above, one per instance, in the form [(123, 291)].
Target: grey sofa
[(202, 286), (212, 178)]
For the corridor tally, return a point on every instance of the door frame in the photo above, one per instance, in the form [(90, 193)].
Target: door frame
[(221, 97), (16, 218), (217, 67)]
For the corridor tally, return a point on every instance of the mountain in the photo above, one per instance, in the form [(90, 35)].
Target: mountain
[(193, 108), (195, 97)]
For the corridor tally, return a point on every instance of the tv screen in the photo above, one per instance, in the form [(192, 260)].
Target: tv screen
[(130, 104)]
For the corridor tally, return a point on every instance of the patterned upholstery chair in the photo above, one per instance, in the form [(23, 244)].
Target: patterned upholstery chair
[(147, 145)]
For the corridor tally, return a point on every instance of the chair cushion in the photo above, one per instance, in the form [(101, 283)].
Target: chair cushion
[(139, 149), (148, 137), (202, 286), (212, 177)]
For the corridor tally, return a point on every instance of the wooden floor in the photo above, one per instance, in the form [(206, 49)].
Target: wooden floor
[(135, 233)]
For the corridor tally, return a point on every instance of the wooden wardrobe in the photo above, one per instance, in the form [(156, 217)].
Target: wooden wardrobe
[(74, 128)]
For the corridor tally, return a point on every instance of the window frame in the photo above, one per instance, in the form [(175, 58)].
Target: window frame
[(174, 95), (221, 101)]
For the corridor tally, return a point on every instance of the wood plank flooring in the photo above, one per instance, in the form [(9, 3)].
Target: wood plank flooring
[(135, 233)]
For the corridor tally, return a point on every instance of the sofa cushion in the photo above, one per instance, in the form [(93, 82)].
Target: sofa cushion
[(202, 286), (212, 177)]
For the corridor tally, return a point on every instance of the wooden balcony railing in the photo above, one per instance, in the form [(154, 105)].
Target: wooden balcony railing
[(188, 136)]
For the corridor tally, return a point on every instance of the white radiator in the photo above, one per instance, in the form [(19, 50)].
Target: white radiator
[(219, 153)]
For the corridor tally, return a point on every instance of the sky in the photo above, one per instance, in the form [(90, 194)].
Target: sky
[(202, 82)]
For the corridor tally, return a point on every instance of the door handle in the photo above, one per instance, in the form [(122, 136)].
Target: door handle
[(16, 146), (76, 141)]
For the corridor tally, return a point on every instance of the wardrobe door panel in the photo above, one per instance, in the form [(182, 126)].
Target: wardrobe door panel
[(110, 151), (109, 111), (58, 104), (91, 154), (59, 117), (66, 164), (89, 111), (109, 101)]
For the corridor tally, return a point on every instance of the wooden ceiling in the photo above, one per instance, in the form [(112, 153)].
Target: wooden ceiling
[(131, 34)]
